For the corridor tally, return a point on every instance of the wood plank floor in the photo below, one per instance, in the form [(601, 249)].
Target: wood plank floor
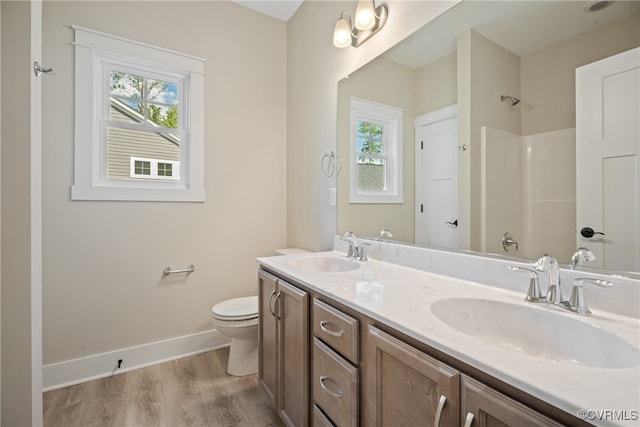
[(193, 391)]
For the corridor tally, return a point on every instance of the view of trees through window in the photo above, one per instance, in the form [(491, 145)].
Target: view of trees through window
[(155, 100), (370, 140)]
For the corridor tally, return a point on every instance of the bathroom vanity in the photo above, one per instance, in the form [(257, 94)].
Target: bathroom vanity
[(366, 343)]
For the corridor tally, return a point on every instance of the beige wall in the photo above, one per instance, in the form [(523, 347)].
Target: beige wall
[(103, 261), (314, 68), (548, 93), (388, 83), (436, 85), (15, 232), (416, 92)]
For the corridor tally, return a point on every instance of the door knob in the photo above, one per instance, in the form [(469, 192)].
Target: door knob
[(454, 223), (589, 233)]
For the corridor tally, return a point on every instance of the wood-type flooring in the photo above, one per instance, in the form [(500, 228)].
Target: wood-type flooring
[(192, 391)]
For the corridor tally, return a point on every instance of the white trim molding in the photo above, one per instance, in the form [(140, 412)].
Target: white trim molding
[(75, 371)]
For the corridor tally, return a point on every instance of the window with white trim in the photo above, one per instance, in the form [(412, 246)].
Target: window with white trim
[(375, 153), (139, 130)]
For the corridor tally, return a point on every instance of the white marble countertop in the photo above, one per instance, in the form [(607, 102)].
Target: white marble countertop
[(402, 297)]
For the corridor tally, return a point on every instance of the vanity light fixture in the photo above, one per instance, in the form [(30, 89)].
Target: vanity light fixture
[(368, 21)]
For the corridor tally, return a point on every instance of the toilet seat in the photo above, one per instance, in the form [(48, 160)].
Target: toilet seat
[(237, 309)]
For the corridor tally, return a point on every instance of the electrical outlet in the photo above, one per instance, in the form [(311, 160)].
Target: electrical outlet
[(332, 196)]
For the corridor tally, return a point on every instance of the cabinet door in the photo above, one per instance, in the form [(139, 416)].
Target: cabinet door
[(292, 308), (482, 406), (267, 351), (408, 387)]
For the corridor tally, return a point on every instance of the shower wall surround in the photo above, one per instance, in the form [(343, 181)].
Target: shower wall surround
[(528, 190)]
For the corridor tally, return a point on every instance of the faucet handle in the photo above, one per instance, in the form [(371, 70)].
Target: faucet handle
[(350, 238), (578, 301), (385, 233), (534, 294)]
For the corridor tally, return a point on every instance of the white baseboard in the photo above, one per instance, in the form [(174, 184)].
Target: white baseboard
[(75, 371)]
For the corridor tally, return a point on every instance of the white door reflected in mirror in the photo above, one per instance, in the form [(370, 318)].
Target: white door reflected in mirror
[(607, 160)]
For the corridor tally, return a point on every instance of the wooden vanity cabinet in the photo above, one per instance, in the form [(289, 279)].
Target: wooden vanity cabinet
[(335, 373), (370, 377), (406, 387), (483, 406), (334, 384), (284, 348), (320, 419)]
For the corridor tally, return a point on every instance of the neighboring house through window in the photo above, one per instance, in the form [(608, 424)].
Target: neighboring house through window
[(139, 121), (376, 153)]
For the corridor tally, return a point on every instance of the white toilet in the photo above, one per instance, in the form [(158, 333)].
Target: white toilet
[(238, 319)]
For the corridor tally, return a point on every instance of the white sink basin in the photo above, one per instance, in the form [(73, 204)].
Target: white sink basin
[(323, 264), (537, 332)]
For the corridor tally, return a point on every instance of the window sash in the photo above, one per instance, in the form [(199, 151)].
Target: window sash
[(390, 119), (124, 66)]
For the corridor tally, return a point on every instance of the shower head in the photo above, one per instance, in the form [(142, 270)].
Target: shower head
[(511, 99)]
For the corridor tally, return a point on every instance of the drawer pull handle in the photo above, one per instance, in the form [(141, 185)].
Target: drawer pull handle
[(328, 331), (443, 400), (333, 393), (468, 420), (273, 292)]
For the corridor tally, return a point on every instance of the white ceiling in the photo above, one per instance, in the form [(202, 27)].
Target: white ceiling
[(521, 27), (280, 9)]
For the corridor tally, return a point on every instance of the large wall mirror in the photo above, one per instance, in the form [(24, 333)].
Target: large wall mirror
[(488, 99)]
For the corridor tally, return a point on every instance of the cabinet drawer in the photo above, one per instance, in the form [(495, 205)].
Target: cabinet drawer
[(320, 419), (335, 385), (336, 329)]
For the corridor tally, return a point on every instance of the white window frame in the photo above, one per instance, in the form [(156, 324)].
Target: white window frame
[(154, 163), (391, 118), (95, 53)]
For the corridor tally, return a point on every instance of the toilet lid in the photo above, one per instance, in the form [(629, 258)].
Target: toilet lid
[(237, 309)]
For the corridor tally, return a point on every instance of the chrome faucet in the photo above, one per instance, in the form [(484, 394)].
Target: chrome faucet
[(356, 249), (554, 291), (576, 303), (582, 255)]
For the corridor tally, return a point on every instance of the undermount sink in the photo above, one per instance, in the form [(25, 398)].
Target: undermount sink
[(537, 332), (323, 264)]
